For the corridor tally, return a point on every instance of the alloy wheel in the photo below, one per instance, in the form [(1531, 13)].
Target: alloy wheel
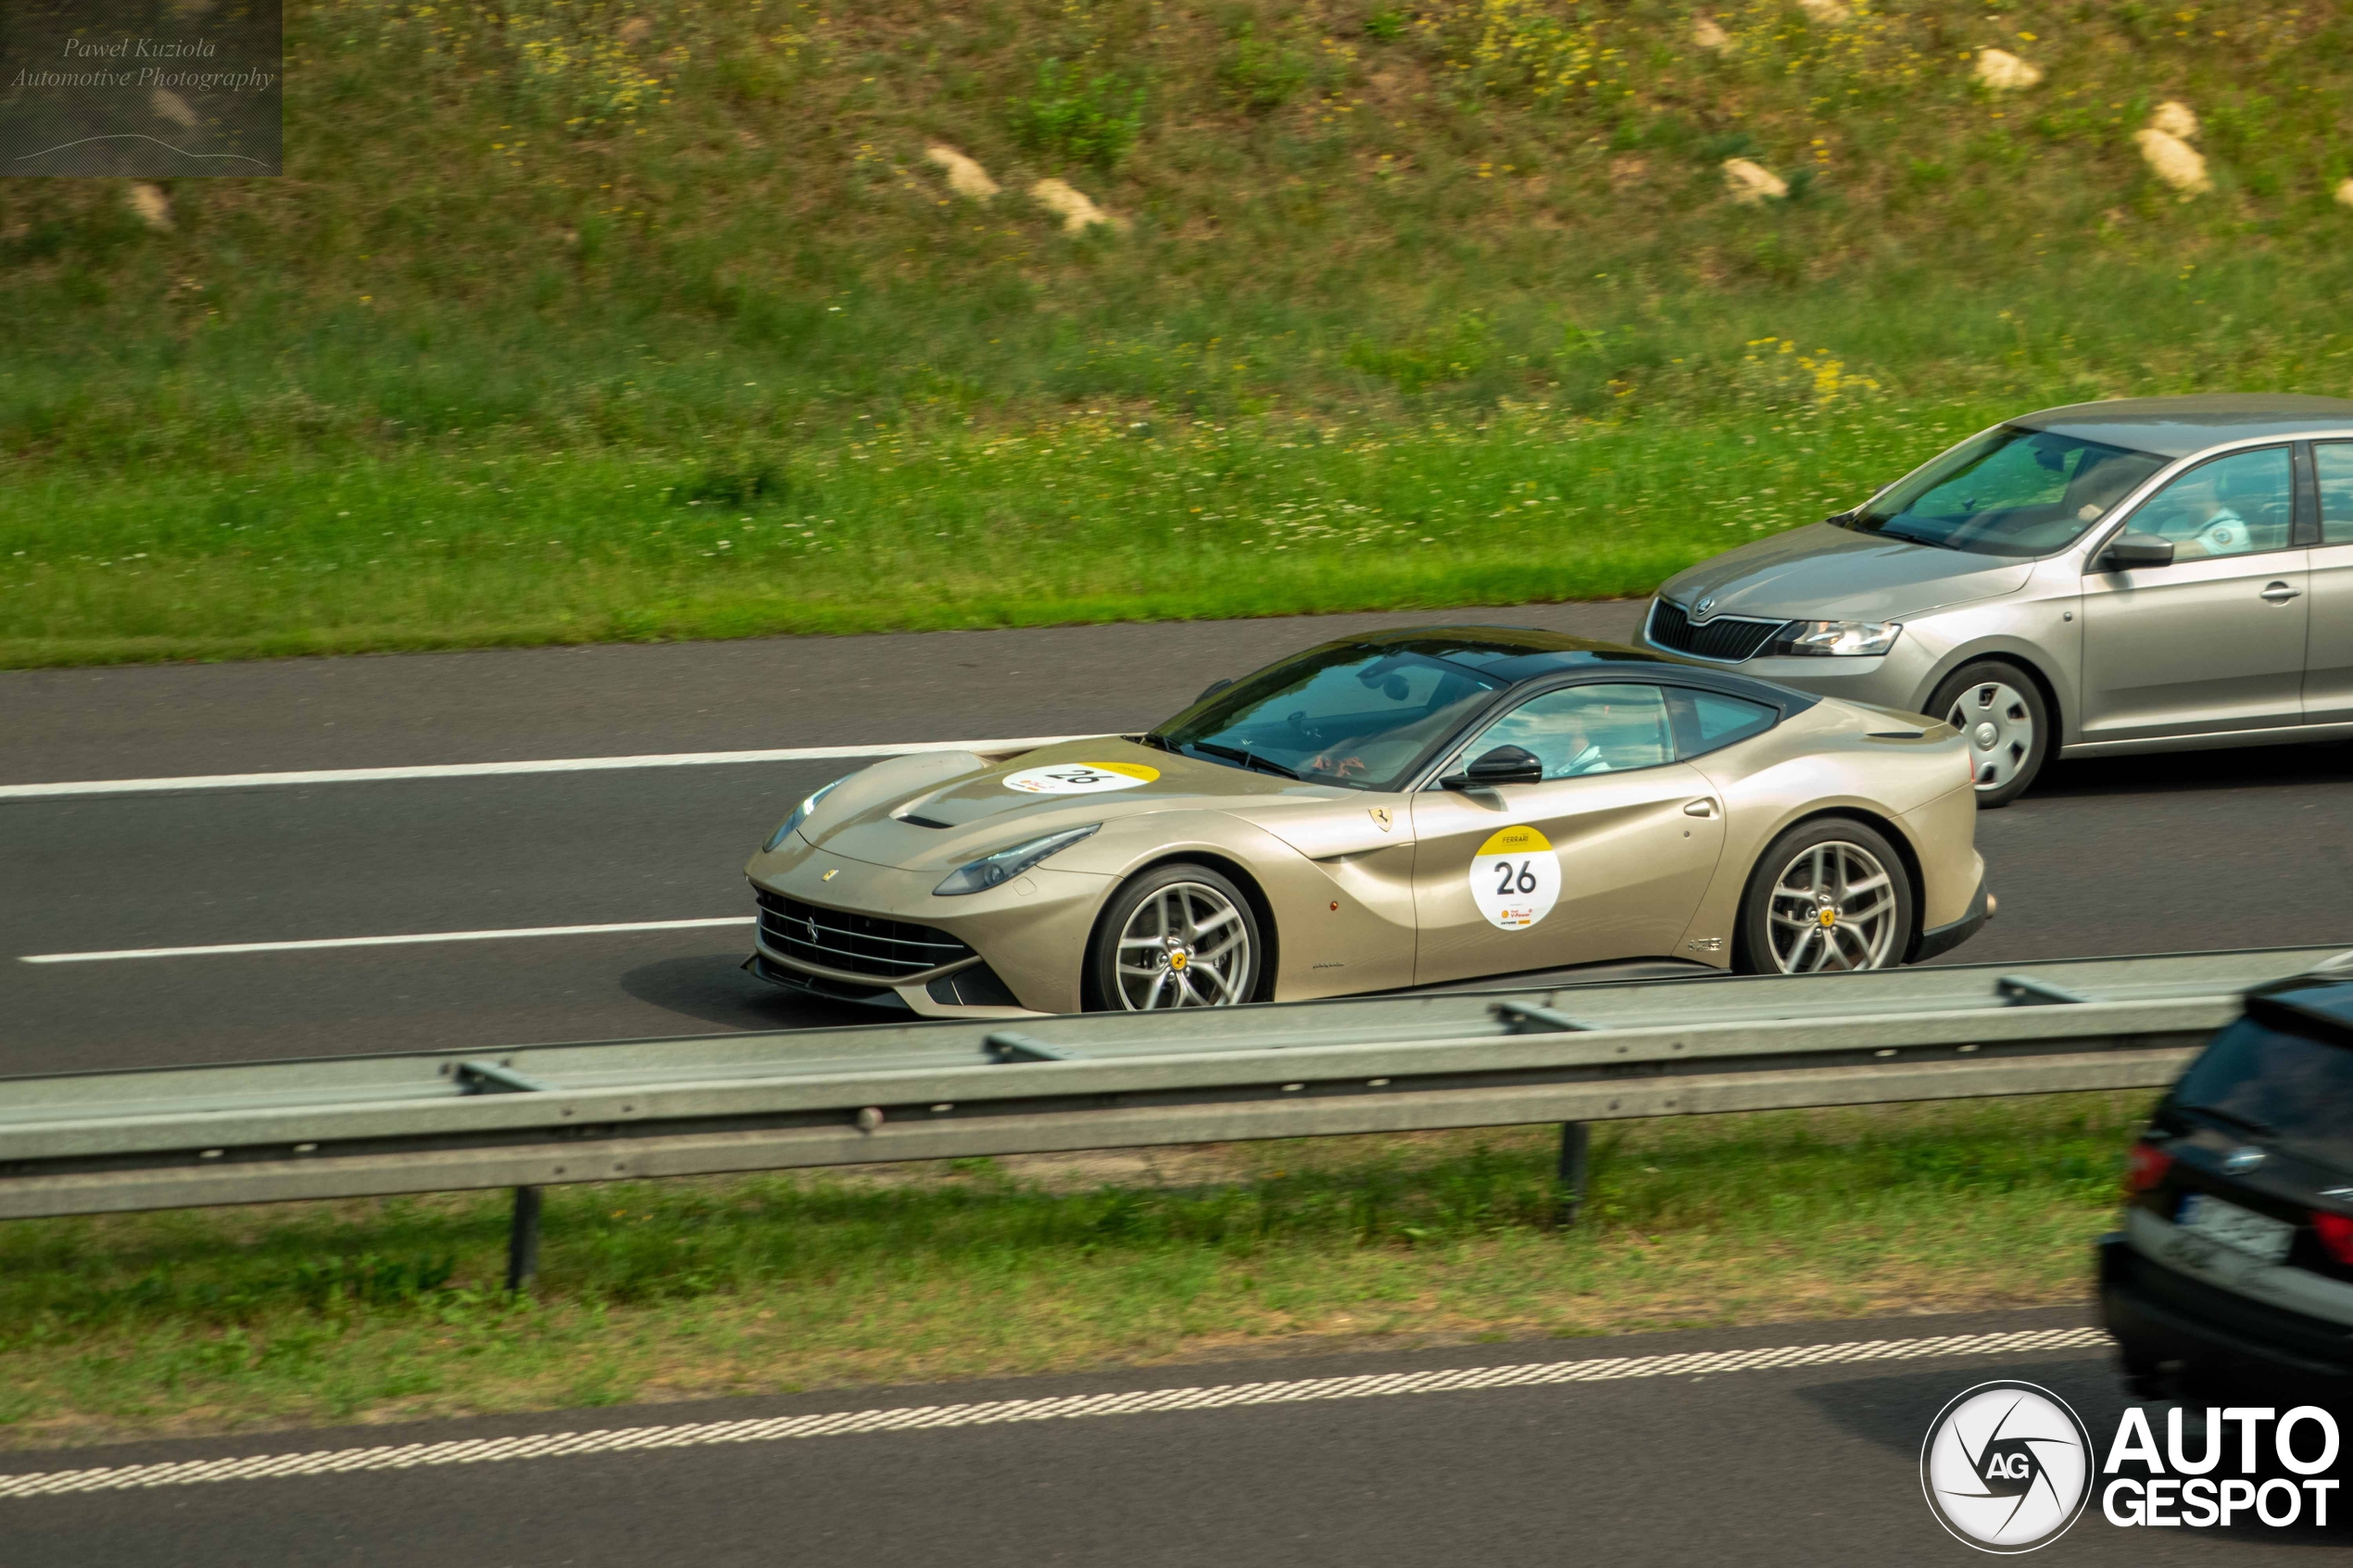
[(1186, 946), (1833, 908)]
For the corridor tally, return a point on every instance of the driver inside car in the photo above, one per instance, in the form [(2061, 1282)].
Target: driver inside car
[(1585, 730)]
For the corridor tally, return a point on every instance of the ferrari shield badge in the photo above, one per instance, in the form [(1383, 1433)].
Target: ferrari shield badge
[(1380, 816), (1515, 878)]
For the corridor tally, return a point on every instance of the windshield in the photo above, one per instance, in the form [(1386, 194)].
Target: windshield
[(2009, 491), (2274, 1084), (1357, 716)]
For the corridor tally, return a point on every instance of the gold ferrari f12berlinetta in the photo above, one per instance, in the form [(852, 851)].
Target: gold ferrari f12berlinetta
[(1412, 808)]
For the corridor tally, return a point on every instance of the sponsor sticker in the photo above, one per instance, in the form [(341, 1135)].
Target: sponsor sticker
[(1080, 778), (1515, 878)]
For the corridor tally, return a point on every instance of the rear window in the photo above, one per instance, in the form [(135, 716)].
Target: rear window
[(2293, 1090), (1705, 720)]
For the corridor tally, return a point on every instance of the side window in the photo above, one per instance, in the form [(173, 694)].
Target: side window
[(1585, 730), (1708, 721), (2335, 461), (2234, 506)]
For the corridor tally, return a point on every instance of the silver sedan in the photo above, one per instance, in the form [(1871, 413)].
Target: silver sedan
[(2148, 574)]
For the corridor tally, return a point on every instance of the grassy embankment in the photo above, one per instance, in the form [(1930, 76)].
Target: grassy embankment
[(386, 1311), (650, 319)]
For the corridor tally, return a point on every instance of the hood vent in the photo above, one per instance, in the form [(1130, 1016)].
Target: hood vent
[(925, 821)]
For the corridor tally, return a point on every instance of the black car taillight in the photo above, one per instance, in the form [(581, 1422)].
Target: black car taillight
[(2145, 1169), (2336, 1235)]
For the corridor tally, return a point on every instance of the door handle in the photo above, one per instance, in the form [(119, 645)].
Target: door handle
[(2278, 594), (1700, 808)]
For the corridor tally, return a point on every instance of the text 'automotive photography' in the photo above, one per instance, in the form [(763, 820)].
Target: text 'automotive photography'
[(1129, 783)]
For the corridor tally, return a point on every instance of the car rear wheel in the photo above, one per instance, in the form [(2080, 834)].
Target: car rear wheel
[(2000, 711), (1175, 936), (1829, 894)]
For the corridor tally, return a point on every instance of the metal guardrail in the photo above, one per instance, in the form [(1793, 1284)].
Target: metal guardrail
[(532, 1116)]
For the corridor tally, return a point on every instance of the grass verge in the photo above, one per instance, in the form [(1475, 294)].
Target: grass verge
[(300, 1314)]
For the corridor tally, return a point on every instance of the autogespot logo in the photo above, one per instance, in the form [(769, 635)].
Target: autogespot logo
[(2006, 1467)]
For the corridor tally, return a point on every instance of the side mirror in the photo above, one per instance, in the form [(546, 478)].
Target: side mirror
[(2130, 550), (1505, 765), (1214, 687)]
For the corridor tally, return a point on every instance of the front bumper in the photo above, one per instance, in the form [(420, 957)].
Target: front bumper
[(1944, 938), (1899, 679), (2172, 1328)]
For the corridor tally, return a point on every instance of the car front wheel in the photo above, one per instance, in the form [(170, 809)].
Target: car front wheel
[(2000, 711), (1828, 895), (1175, 936)]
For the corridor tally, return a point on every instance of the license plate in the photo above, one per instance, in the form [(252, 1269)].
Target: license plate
[(2243, 1230)]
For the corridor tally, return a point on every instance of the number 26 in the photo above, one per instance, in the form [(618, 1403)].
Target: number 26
[(1520, 878)]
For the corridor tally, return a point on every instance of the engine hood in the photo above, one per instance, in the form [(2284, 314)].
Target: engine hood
[(992, 806), (1822, 572)]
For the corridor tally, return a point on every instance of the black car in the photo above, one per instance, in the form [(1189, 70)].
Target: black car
[(2234, 1273)]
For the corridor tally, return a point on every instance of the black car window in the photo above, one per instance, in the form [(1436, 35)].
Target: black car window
[(2291, 1088), (2335, 461), (1357, 716), (1580, 730), (1706, 722), (2009, 491), (2232, 506)]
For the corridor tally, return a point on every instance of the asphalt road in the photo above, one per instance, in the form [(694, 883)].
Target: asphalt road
[(2205, 849), (1796, 1465)]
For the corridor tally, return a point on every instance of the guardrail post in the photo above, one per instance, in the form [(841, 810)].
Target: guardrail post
[(1569, 1191), (522, 1241)]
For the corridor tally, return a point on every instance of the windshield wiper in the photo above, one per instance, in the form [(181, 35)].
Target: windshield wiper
[(1247, 758), (1916, 539), (1153, 740), (2232, 1118)]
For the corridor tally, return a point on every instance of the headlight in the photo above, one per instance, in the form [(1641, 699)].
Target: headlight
[(800, 815), (1835, 639), (991, 871)]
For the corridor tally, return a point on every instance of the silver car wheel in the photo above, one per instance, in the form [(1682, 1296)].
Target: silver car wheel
[(1186, 946), (1999, 726), (1833, 906)]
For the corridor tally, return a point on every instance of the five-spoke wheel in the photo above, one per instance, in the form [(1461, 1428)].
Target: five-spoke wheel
[(1177, 937), (1829, 894)]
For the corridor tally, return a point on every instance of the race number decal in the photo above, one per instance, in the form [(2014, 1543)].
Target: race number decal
[(1516, 879), (1080, 778)]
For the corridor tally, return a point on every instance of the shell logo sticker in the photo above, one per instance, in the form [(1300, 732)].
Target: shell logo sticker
[(1080, 778), (1515, 878)]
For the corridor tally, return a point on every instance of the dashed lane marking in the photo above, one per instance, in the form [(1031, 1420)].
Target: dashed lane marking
[(492, 769), (381, 941), (835, 1424)]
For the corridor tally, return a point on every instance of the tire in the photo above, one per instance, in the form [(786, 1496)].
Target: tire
[(1188, 938), (1833, 863), (2000, 708)]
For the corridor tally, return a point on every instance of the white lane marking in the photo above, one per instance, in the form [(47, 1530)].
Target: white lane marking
[(410, 1456), (380, 941), (488, 769)]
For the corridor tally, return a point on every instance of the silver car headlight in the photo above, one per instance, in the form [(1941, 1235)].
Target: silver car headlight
[(1834, 639), (991, 871), (800, 815)]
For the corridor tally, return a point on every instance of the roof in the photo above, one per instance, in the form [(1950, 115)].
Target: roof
[(1519, 654), (2306, 1001), (2179, 427)]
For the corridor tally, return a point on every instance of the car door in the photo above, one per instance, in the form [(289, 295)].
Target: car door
[(2328, 660), (2215, 640), (1605, 857)]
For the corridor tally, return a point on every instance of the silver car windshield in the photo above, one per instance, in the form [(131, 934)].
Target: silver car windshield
[(1364, 717), (2009, 491)]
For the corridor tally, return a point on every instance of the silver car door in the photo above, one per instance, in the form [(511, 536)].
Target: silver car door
[(2214, 641), (1600, 860), (2328, 660)]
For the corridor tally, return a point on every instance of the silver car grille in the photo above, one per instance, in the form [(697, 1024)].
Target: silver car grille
[(1725, 638)]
